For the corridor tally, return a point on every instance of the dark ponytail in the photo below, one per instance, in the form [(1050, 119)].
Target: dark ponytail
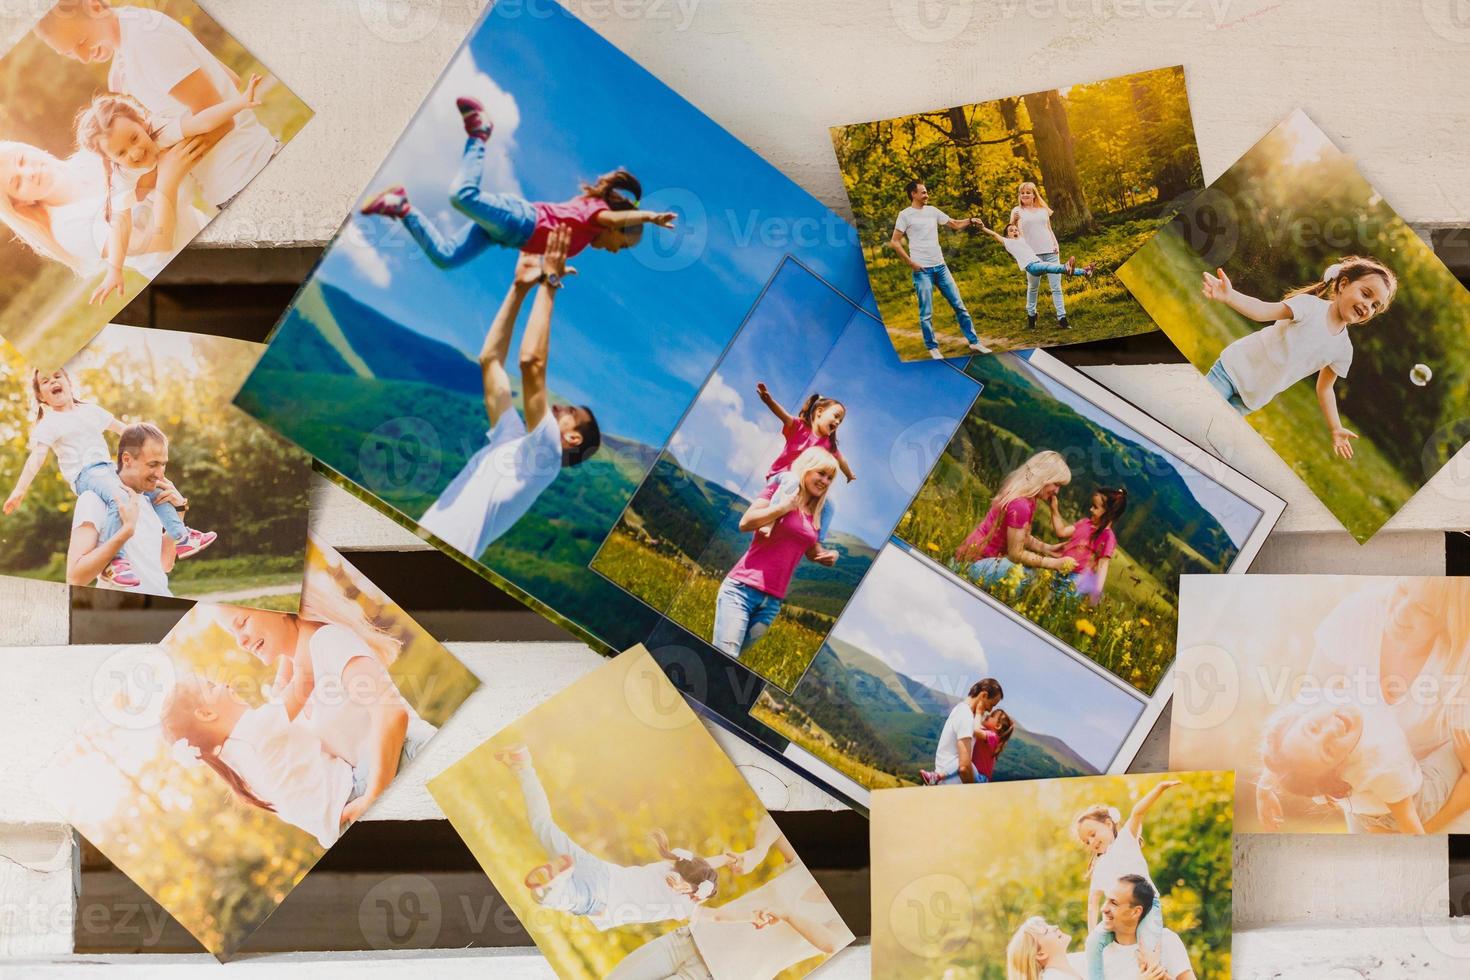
[(609, 187), (695, 870), (809, 409), (1115, 501), (1004, 731)]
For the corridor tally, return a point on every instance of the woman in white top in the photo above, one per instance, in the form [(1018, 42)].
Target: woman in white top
[(1033, 217)]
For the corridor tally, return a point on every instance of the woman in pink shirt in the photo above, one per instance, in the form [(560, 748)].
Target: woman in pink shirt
[(602, 216), (1003, 539), (751, 595), (1091, 541)]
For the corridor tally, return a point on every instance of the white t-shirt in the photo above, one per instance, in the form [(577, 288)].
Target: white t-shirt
[(1380, 768), (1265, 363), (285, 765), (738, 949), (921, 225), (156, 53), (1022, 252), (81, 228), (1121, 962), (641, 894), (1036, 228), (144, 549), (960, 724), (76, 436), (335, 711), (1123, 857), (498, 484)]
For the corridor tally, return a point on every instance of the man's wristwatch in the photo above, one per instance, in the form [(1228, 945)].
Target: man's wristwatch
[(553, 279)]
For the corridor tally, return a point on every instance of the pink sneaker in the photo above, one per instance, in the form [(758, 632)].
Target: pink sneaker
[(541, 877), (475, 123), (930, 778), (119, 574), (391, 203), (196, 542), (1089, 269)]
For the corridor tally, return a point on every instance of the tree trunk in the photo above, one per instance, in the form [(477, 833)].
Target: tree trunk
[(1170, 176), (959, 127), (1062, 187), (1010, 118)]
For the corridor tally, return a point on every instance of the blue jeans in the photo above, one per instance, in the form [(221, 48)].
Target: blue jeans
[(743, 613), (360, 774), (1039, 268), (1150, 940), (583, 890), (1033, 282), (988, 571), (102, 479), (495, 219), (953, 779), (1221, 382), (925, 280)]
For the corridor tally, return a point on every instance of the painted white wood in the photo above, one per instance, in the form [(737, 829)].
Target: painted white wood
[(37, 904), (33, 612)]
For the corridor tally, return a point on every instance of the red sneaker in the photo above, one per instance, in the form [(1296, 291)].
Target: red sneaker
[(119, 574), (475, 122), (391, 203), (1089, 269), (539, 878), (930, 778), (196, 542), (516, 757)]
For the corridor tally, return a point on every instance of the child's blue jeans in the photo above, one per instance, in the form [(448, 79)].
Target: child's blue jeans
[(1042, 268), (495, 219), (1150, 939), (1221, 382), (102, 479)]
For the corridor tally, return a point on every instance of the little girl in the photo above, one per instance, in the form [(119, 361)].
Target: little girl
[(815, 424), (1308, 334), (265, 760), (1091, 541), (1031, 263), (1003, 539), (74, 430), (602, 216), (131, 144), (1116, 851), (991, 736), (1033, 218), (610, 895)]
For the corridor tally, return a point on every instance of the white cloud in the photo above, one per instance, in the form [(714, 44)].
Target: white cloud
[(724, 441), (366, 259), (905, 604)]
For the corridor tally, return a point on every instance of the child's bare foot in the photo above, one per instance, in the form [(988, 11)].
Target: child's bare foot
[(119, 574), (196, 542), (476, 123), (390, 203), (517, 757), (1071, 264), (540, 878)]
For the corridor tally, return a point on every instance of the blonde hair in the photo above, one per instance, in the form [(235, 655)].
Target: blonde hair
[(181, 723), (31, 222), (813, 458), (1102, 813), (97, 120), (1028, 185), (330, 602), (1026, 480), (1349, 268), (1022, 952)]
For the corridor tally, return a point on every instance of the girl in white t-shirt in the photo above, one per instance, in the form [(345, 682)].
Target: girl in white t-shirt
[(1308, 335), (76, 432), (1117, 850), (1033, 219)]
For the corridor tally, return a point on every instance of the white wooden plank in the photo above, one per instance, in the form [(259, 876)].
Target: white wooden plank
[(37, 904), (1386, 553), (33, 612)]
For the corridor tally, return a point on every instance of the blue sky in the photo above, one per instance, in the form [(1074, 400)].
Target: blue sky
[(925, 625), (804, 337), (636, 333)]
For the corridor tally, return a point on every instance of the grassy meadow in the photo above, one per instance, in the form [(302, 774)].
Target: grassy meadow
[(790, 721)]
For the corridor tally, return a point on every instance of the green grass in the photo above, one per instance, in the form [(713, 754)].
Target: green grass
[(1362, 492), (994, 291), (639, 570), (805, 732), (52, 320)]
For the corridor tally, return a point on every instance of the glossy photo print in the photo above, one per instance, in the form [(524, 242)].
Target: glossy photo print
[(220, 765), (124, 129), (130, 469), (1321, 317), (998, 225), (1341, 706), (1109, 877), (655, 861)]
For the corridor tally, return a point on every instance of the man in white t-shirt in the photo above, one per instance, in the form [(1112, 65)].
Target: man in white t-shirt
[(522, 455), (157, 61), (142, 453), (919, 224), (1127, 901), (954, 753)]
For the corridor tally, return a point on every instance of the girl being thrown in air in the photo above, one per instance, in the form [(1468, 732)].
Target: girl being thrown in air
[(76, 432), (1308, 335), (814, 425), (1031, 263), (602, 216)]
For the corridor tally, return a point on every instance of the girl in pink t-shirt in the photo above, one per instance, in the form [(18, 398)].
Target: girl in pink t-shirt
[(815, 424), (1003, 539), (602, 216), (992, 733), (1091, 541)]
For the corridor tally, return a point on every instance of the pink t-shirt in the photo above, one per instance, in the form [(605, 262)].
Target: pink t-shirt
[(1085, 551), (989, 539), (578, 213), (772, 560), (984, 752), (799, 438)]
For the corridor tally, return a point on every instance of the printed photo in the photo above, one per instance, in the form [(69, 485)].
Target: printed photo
[(1079, 512), (222, 764), (784, 479), (124, 128), (1321, 317), (924, 683), (129, 468), (1015, 212), (1097, 878), (656, 861), (1342, 707)]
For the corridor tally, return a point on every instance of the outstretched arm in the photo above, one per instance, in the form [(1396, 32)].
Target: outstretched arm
[(211, 118), (842, 465), (814, 932), (992, 232), (625, 219), (87, 555), (958, 224), (767, 835), (120, 231), (769, 400), (371, 687), (28, 472), (1141, 808), (1327, 401), (1219, 289), (1459, 799), (1019, 545), (496, 348), (1059, 526), (536, 343)]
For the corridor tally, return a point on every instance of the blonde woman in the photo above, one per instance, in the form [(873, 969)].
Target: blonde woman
[(751, 595), (1033, 217), (1038, 951), (1003, 539)]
